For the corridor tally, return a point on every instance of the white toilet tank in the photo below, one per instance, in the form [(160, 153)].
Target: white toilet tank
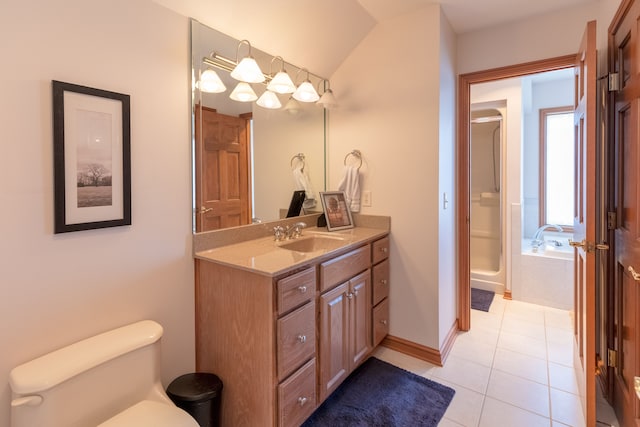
[(110, 376)]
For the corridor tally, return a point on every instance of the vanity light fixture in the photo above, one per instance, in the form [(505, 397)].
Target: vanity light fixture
[(247, 69), (281, 82), (327, 100), (269, 100), (243, 93), (210, 82), (292, 106), (306, 92)]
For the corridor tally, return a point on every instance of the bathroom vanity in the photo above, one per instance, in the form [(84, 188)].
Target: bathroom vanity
[(284, 323)]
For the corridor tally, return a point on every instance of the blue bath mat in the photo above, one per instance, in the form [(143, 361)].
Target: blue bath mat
[(378, 394), (481, 299)]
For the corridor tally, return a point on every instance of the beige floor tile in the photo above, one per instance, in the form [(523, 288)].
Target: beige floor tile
[(474, 350), (445, 422), (523, 344), (496, 413), (466, 405), (464, 373), (566, 408), (517, 325), (525, 394), (408, 363), (561, 353), (563, 378), (521, 365), (558, 319), (558, 335)]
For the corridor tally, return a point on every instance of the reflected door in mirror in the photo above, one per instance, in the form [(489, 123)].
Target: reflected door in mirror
[(222, 170)]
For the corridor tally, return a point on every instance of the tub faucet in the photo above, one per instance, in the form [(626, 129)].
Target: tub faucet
[(537, 237)]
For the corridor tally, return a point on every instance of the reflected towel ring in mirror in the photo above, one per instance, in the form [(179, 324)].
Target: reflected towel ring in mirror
[(300, 158)]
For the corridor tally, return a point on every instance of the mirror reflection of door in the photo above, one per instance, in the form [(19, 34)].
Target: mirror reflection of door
[(222, 153)]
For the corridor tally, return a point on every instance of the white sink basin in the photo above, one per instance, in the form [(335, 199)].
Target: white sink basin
[(313, 243)]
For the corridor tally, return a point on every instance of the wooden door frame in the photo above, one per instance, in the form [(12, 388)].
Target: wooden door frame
[(463, 163)]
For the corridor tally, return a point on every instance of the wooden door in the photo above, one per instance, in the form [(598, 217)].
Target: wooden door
[(222, 170), (623, 60), (360, 318), (584, 222), (334, 339)]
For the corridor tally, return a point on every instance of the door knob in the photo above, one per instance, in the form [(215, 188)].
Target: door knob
[(204, 210), (581, 244), (634, 274)]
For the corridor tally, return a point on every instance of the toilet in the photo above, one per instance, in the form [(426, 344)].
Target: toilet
[(109, 380)]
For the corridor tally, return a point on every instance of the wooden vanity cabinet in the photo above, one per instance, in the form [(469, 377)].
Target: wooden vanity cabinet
[(345, 318), (282, 344), (380, 285)]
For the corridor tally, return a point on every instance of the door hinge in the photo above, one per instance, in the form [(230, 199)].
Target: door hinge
[(612, 358), (612, 220), (614, 82)]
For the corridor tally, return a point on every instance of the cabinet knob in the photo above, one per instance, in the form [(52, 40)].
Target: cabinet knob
[(383, 281), (302, 289), (302, 401), (384, 322), (384, 250), (349, 295), (355, 292), (302, 339)]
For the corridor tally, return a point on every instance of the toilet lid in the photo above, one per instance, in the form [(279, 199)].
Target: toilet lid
[(149, 413)]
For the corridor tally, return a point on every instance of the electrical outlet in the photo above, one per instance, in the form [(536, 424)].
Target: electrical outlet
[(366, 198)]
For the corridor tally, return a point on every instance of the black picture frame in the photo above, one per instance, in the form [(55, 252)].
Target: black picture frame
[(336, 211), (92, 158)]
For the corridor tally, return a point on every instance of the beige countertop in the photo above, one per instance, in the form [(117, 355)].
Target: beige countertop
[(265, 256)]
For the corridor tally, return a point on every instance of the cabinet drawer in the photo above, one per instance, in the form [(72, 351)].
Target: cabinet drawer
[(380, 281), (296, 339), (380, 321), (344, 267), (297, 396), (296, 289), (380, 250)]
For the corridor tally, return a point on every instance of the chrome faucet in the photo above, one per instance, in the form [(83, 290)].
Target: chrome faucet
[(278, 233), (294, 231), (537, 237)]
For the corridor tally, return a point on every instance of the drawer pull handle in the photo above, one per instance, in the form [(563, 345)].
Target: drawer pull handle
[(302, 401), (383, 281), (384, 322), (302, 339), (302, 289), (384, 250)]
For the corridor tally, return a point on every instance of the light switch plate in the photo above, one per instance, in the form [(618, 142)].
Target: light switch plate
[(366, 198)]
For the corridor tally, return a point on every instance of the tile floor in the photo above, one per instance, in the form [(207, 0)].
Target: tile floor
[(514, 368)]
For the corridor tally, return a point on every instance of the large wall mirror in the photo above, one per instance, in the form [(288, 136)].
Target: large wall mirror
[(244, 155)]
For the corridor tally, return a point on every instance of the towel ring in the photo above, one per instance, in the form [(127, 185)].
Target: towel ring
[(300, 157), (355, 153)]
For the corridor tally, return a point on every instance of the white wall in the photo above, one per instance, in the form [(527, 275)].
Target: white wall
[(56, 289), (540, 37), (389, 95)]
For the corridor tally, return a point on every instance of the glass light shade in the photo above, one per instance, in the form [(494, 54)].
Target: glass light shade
[(248, 71), (327, 100), (243, 93), (281, 83), (210, 82), (306, 92), (292, 106), (269, 100)]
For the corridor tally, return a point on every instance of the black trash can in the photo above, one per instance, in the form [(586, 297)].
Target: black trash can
[(199, 394)]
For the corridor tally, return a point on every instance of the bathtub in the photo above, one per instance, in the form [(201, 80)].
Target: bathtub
[(546, 273)]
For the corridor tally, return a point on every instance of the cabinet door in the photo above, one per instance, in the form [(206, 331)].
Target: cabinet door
[(359, 318), (334, 336)]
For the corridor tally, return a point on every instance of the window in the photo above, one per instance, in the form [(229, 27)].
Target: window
[(557, 166)]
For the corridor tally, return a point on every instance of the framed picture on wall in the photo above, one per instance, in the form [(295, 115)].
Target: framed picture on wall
[(92, 158), (338, 215)]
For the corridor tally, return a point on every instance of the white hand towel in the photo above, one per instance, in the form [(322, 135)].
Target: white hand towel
[(350, 184), (302, 182)]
